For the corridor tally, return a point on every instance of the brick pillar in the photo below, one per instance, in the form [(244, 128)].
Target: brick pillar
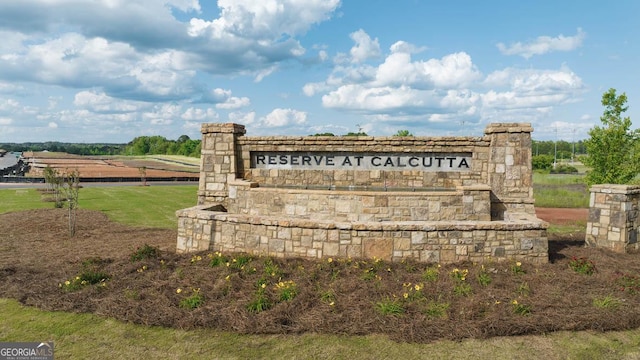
[(613, 217), (218, 163), (509, 173)]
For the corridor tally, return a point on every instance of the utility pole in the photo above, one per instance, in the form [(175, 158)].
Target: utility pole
[(555, 148), (573, 144)]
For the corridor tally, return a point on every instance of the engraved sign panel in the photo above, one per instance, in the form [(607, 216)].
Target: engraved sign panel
[(361, 161)]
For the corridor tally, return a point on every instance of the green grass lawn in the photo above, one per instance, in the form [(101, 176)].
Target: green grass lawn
[(150, 206), (87, 336)]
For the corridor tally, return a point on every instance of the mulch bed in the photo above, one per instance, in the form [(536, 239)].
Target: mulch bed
[(348, 296)]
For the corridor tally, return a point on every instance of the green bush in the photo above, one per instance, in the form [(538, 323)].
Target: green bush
[(564, 169), (542, 162)]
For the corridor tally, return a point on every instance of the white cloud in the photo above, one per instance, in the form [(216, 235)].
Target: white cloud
[(5, 121), (284, 117), (224, 100), (452, 71), (199, 115), (544, 44), (99, 102), (242, 117), (53, 125), (365, 48), (403, 90)]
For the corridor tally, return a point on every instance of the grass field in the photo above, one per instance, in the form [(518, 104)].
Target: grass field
[(560, 191)]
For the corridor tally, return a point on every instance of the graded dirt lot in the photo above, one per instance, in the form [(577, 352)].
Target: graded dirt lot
[(348, 296), (109, 167)]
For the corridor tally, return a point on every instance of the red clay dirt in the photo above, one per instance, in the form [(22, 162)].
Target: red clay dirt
[(341, 296), (559, 216)]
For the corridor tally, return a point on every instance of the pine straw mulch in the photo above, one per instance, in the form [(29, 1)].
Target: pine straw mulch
[(333, 297)]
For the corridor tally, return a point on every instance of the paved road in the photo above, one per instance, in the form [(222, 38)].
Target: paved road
[(97, 184)]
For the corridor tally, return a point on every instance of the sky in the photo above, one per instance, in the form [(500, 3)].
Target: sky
[(107, 71)]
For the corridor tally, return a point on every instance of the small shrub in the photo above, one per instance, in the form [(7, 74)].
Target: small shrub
[(260, 301), (241, 261), (328, 297), (287, 290), (462, 289), (607, 302), (521, 309), (627, 282), (523, 289), (484, 279), (582, 266), (192, 301), (413, 292), (145, 252), (217, 259), (516, 268), (272, 269), (389, 306), (85, 278), (459, 275), (436, 309), (431, 273)]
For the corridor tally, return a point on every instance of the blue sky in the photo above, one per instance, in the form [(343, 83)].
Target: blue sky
[(111, 70)]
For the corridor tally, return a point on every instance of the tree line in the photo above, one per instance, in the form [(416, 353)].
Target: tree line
[(141, 145)]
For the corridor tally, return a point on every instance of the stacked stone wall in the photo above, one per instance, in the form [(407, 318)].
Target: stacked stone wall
[(425, 241), (613, 221), (465, 203)]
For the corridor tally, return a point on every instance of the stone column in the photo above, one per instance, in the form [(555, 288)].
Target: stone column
[(218, 162), (613, 217), (509, 173)]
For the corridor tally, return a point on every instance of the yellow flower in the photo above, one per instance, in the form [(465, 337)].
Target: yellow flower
[(77, 277), (228, 277), (178, 291), (405, 295), (417, 287), (406, 284), (67, 282), (497, 302), (332, 303), (518, 264), (515, 302), (330, 260), (144, 267), (263, 285)]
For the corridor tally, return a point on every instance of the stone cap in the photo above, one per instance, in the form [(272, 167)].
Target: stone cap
[(615, 189), (494, 128), (227, 128)]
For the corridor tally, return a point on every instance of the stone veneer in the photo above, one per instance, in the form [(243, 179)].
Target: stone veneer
[(613, 217), (483, 212)]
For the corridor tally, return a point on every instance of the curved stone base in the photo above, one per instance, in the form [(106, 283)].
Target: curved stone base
[(522, 238)]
